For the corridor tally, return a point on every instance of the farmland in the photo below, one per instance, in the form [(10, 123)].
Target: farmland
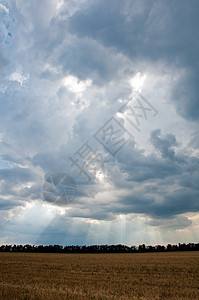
[(173, 275)]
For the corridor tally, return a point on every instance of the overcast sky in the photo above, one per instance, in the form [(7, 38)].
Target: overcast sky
[(99, 97)]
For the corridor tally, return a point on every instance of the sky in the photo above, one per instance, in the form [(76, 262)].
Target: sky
[(99, 115)]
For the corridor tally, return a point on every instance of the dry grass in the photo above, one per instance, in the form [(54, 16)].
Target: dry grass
[(99, 276)]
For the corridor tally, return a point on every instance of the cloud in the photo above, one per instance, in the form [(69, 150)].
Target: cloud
[(67, 67), (178, 222), (76, 86), (19, 77), (4, 8), (151, 31), (164, 144)]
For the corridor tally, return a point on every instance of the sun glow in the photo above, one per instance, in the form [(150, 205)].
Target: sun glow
[(75, 85), (100, 176), (137, 82)]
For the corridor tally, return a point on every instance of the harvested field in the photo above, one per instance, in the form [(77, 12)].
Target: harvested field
[(173, 275)]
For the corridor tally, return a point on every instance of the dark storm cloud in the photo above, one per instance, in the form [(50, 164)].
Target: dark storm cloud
[(157, 186), (153, 30), (160, 186), (179, 222), (162, 203)]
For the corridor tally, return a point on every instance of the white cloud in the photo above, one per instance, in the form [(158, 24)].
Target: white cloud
[(75, 85), (137, 82), (4, 8), (19, 77)]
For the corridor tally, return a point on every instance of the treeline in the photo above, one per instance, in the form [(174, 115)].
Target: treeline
[(98, 248)]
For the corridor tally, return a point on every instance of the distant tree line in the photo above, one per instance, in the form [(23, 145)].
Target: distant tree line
[(98, 248)]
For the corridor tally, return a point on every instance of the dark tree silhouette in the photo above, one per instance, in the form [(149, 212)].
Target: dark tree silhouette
[(98, 248)]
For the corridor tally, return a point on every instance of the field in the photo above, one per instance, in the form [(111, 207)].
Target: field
[(99, 276)]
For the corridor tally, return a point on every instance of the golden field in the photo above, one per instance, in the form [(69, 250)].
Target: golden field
[(99, 276)]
